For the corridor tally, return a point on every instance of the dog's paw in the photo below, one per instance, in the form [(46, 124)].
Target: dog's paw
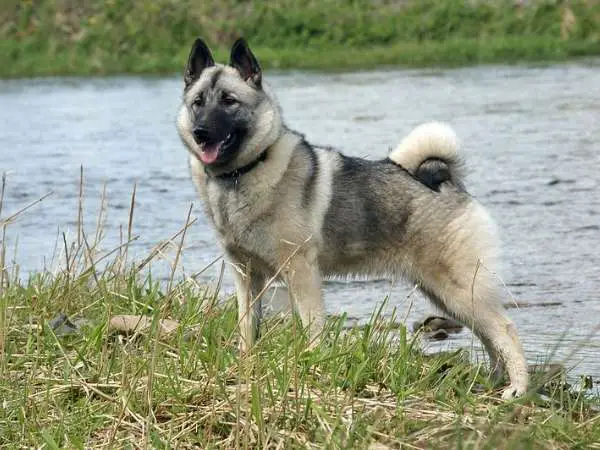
[(513, 391)]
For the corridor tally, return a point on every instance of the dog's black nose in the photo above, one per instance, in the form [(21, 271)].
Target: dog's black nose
[(201, 135)]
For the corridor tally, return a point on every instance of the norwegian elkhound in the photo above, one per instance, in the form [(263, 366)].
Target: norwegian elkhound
[(285, 209)]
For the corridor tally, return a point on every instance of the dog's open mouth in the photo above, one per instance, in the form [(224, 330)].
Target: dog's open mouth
[(210, 151)]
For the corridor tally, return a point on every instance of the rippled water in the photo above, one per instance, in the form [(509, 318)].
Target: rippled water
[(531, 137)]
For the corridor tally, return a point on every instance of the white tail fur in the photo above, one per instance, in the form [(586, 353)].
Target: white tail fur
[(431, 140)]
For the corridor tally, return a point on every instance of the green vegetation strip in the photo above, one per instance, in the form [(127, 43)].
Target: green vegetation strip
[(61, 37)]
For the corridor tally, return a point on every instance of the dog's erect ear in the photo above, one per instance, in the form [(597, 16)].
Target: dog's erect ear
[(245, 62), (200, 58)]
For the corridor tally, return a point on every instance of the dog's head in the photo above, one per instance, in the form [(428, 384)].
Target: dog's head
[(227, 118)]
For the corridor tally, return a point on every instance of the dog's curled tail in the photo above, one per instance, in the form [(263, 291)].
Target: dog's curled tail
[(430, 154)]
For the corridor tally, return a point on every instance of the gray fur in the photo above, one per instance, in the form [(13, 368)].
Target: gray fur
[(283, 207)]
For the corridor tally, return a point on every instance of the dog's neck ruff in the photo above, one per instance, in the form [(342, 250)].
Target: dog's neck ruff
[(236, 173)]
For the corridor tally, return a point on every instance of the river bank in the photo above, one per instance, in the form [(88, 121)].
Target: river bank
[(75, 373)]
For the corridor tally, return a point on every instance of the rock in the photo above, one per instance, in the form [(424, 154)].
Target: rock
[(437, 323), (438, 335), (62, 326), (128, 324)]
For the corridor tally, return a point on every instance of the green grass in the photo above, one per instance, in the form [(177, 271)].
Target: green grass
[(452, 53), (60, 37), (360, 387)]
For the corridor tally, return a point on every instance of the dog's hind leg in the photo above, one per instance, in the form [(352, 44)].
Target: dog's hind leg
[(457, 272), (478, 307), (496, 365)]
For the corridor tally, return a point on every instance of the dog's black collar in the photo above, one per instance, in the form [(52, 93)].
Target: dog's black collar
[(236, 173)]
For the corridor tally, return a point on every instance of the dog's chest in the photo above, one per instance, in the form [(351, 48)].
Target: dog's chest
[(237, 217)]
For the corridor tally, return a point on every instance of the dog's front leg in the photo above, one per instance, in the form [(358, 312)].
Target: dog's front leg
[(303, 279), (248, 284)]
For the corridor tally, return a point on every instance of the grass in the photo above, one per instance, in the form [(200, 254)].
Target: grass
[(66, 37), (362, 387)]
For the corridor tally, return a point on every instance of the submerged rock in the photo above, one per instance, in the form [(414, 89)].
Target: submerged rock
[(436, 323), (437, 328), (438, 335)]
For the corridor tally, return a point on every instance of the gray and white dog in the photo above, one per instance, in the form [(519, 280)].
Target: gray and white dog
[(286, 209)]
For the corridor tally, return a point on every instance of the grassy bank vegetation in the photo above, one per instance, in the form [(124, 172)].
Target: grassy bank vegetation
[(48, 37), (69, 380)]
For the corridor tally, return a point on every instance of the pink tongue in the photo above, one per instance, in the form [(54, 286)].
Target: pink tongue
[(210, 153)]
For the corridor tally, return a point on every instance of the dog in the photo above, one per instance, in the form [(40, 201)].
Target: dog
[(287, 210)]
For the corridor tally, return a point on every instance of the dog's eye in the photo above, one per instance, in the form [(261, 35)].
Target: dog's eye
[(198, 102), (227, 99)]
